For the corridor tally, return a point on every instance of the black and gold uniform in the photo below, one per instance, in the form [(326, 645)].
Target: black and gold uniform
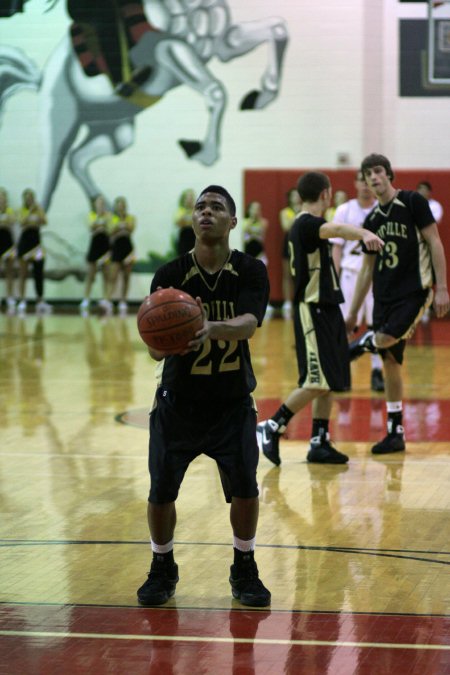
[(321, 340), (404, 263), (204, 402), (403, 273), (221, 370)]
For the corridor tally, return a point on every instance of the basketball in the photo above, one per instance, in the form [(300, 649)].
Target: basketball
[(168, 319)]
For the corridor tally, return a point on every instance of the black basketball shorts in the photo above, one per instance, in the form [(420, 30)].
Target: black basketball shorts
[(182, 429), (400, 318), (322, 347)]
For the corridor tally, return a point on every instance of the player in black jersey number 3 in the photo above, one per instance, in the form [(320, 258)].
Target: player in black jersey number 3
[(403, 272), (203, 404)]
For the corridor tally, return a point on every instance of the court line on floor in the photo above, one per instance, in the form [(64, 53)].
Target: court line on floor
[(389, 553), (224, 640)]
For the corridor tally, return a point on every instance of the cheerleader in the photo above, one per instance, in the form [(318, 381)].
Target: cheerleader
[(7, 248), (99, 253), (29, 250), (122, 250)]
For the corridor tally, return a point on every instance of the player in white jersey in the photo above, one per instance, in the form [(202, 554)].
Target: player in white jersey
[(348, 257)]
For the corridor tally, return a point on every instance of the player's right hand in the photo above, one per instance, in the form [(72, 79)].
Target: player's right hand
[(371, 241)]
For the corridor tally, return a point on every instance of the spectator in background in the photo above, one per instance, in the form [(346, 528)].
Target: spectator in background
[(122, 250), (29, 250), (340, 197), (287, 217), (183, 222), (7, 248), (99, 254), (254, 228), (424, 188)]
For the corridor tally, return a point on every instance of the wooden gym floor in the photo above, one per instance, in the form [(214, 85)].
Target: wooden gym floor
[(357, 557)]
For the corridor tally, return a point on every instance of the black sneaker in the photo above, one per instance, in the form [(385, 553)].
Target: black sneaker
[(268, 440), (246, 586), (322, 452), (393, 442), (160, 584), (362, 345), (377, 380)]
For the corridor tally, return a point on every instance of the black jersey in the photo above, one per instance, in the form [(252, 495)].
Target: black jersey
[(404, 265), (315, 278), (221, 369)]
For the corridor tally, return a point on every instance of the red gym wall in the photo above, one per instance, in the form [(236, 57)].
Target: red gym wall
[(269, 187)]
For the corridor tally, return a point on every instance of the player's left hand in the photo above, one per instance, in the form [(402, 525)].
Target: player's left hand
[(441, 302), (201, 335)]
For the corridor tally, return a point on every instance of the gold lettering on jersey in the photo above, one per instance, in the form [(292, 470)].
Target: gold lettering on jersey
[(392, 229), (219, 310)]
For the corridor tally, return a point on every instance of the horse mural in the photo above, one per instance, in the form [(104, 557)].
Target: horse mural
[(190, 33)]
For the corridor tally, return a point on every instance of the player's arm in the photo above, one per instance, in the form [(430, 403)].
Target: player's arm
[(362, 286), (352, 233), (441, 302), (336, 253), (238, 328)]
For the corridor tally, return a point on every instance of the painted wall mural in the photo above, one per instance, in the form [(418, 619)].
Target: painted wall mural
[(177, 94), (118, 60)]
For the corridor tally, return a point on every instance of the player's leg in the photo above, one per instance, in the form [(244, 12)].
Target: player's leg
[(246, 586), (322, 357), (394, 441), (236, 453), (269, 432), (321, 450), (376, 376), (395, 323), (167, 468), (163, 575)]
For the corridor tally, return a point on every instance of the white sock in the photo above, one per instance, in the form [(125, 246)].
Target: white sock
[(394, 406), (162, 548), (243, 544), (377, 362)]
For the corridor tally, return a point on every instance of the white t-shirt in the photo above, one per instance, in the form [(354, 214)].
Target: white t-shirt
[(436, 210), (351, 213)]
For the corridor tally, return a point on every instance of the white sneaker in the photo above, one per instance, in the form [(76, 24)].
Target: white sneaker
[(10, 305), (123, 307), (106, 305), (84, 304), (22, 307), (425, 317), (286, 309), (43, 307)]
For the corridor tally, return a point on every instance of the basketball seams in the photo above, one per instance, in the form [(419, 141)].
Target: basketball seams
[(164, 328), (169, 324)]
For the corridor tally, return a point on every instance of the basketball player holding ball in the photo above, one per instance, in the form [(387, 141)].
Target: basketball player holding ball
[(203, 404)]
